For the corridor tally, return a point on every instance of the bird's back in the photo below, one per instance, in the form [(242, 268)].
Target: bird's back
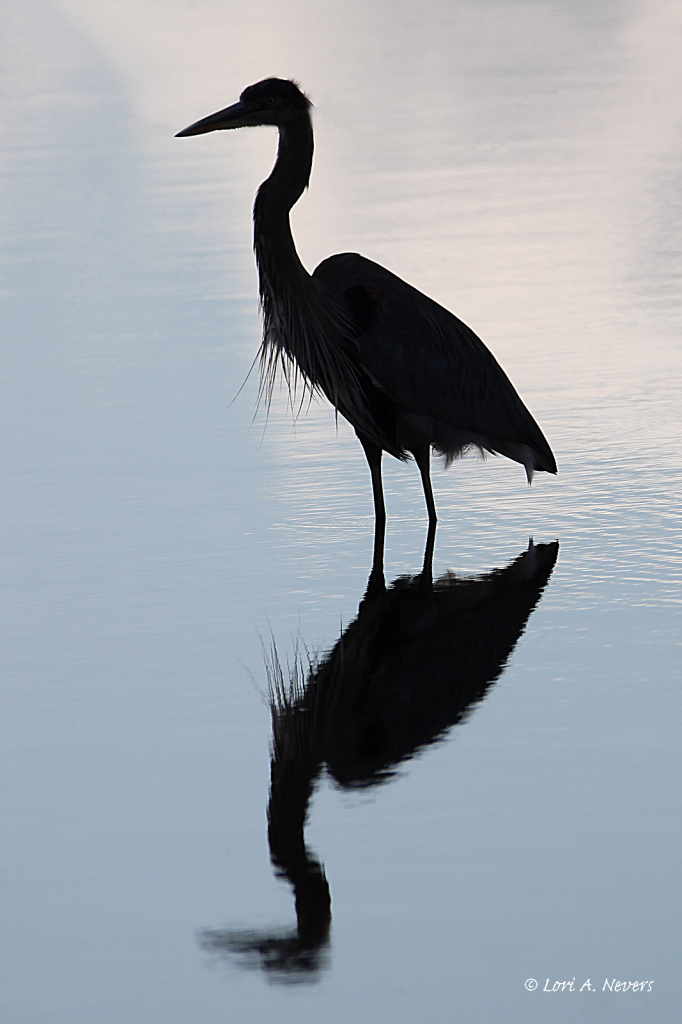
[(430, 364)]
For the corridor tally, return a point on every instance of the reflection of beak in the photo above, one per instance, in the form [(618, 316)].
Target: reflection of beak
[(230, 117)]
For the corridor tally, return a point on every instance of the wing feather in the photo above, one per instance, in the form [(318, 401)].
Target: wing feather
[(431, 364)]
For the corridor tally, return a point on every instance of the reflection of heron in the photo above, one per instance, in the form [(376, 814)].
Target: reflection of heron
[(407, 374), (417, 659)]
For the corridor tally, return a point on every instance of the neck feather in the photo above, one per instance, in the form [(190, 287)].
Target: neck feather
[(306, 332), (273, 242)]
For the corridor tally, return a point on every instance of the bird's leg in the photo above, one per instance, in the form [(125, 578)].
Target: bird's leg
[(378, 557), (427, 571), (422, 456), (373, 453)]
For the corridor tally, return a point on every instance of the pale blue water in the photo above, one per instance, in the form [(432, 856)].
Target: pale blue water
[(519, 163)]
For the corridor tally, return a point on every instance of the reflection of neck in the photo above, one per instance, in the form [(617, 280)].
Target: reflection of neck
[(313, 903), (293, 771), (292, 860)]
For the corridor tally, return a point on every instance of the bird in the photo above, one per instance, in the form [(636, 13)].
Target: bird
[(407, 374)]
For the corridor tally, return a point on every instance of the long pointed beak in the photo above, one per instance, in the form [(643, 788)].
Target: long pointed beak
[(230, 117)]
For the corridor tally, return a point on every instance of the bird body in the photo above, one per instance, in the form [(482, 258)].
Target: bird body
[(405, 372), (432, 367)]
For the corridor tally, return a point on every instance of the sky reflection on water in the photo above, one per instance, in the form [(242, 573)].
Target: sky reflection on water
[(520, 164)]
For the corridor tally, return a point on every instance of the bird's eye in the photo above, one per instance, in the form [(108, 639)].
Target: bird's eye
[(270, 100)]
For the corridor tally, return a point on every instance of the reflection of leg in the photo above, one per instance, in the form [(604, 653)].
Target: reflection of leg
[(373, 453), (422, 456), (427, 571), (376, 578)]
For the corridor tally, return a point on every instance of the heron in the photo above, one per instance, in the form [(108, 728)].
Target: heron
[(407, 374)]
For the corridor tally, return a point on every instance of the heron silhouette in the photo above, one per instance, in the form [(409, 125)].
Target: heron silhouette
[(418, 659), (406, 374)]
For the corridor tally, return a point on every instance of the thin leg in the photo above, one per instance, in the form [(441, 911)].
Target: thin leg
[(422, 456), (378, 558), (376, 585), (427, 571), (373, 453)]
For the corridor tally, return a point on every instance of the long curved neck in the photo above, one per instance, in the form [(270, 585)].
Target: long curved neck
[(273, 242), (305, 329)]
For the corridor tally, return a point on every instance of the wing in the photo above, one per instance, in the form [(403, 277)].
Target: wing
[(431, 364)]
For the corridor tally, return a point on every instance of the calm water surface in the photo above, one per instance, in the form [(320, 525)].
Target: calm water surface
[(489, 766)]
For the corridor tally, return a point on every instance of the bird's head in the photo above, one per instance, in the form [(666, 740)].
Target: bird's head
[(272, 101)]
